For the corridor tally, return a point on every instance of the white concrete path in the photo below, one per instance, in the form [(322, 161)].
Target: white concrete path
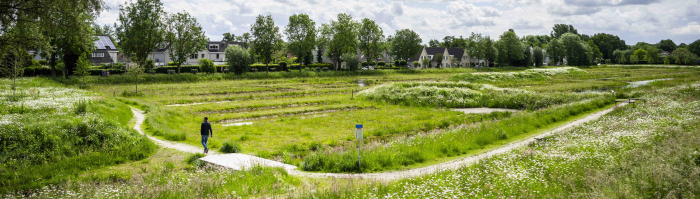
[(239, 161)]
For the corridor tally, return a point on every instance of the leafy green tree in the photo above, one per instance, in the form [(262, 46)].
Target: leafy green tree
[(267, 38), (83, 66), (527, 58), (351, 61), (511, 47), (607, 44), (434, 43), (560, 29), (238, 59), (538, 56), (426, 63), (683, 56), (634, 59), (438, 59), (184, 36), (371, 38), (652, 54), (556, 50), (640, 54), (319, 55), (230, 37), (490, 52), (340, 36), (405, 44), (596, 51), (695, 47), (301, 34), (667, 45), (475, 46), (140, 29), (667, 61), (246, 38), (578, 53)]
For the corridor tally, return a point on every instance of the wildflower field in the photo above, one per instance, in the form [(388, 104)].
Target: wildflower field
[(59, 141)]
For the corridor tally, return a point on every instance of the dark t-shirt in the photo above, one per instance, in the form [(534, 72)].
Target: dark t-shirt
[(206, 128)]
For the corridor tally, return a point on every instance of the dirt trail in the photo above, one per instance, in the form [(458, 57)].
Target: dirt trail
[(241, 161)]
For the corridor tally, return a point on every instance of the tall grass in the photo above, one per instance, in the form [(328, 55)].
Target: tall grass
[(538, 74), (454, 143), (467, 95), (230, 147)]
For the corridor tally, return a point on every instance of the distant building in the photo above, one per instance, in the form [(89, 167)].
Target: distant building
[(215, 51), (105, 51), (462, 59)]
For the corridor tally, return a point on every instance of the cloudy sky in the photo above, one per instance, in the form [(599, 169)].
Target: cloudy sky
[(633, 20)]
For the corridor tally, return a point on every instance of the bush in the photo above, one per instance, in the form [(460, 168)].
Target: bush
[(80, 107), (282, 66), (207, 66), (397, 62), (416, 63), (403, 63), (364, 63), (194, 159), (381, 63), (149, 64), (29, 72), (172, 63), (43, 62), (372, 63), (351, 61), (230, 147)]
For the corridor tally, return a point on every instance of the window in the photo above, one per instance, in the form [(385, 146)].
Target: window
[(214, 47), (202, 56), (98, 55), (217, 56), (193, 56)]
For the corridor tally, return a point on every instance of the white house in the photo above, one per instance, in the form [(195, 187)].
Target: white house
[(215, 51), (105, 51)]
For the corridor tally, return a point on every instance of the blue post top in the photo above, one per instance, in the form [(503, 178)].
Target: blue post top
[(359, 126)]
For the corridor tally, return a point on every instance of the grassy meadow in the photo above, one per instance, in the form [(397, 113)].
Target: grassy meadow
[(62, 141)]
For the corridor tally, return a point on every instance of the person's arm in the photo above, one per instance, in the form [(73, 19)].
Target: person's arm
[(210, 131)]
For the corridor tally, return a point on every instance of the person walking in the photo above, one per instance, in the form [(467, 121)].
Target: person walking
[(206, 132)]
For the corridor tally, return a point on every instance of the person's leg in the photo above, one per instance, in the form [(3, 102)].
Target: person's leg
[(204, 141)]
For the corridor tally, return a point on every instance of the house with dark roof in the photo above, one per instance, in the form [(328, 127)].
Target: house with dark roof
[(215, 51), (105, 51), (451, 57)]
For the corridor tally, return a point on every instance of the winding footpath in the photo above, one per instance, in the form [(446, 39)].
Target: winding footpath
[(239, 161)]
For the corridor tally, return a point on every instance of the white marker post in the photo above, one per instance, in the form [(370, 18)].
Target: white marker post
[(358, 136)]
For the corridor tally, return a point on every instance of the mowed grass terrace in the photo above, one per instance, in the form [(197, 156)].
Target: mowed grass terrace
[(289, 119)]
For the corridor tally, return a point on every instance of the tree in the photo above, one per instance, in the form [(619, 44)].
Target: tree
[(301, 34), (83, 66), (560, 29), (319, 55), (682, 56), (245, 38), (667, 61), (351, 61), (577, 53), (640, 54), (371, 39), (438, 59), (340, 36), (695, 47), (667, 45), (596, 51), (238, 59), (405, 44), (607, 44), (426, 63), (140, 31), (434, 43), (652, 54), (184, 36), (538, 56), (490, 52), (230, 37), (556, 50), (511, 47), (475, 46), (266, 38)]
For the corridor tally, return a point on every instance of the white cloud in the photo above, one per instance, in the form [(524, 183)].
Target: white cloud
[(692, 28)]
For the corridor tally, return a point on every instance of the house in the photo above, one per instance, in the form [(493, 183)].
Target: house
[(105, 51), (215, 51), (384, 56), (459, 54), (664, 54)]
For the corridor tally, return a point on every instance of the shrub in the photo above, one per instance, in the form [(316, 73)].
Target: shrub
[(364, 63), (172, 63), (397, 62), (415, 63), (403, 63), (351, 61), (149, 64), (194, 159), (230, 147), (372, 63), (207, 66), (381, 63), (80, 107), (29, 72), (43, 62), (282, 65)]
